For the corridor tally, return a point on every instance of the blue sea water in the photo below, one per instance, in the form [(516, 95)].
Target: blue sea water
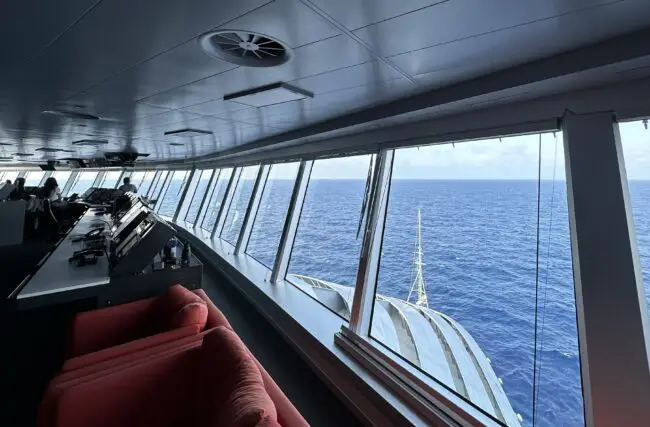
[(480, 249)]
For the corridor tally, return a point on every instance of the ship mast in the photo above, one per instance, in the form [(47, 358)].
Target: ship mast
[(418, 290)]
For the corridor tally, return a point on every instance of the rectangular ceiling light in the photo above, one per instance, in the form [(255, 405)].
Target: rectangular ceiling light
[(23, 154), (90, 142), (6, 159), (48, 149), (176, 144), (275, 93), (5, 143), (186, 133)]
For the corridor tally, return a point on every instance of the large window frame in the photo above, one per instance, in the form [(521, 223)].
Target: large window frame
[(419, 390)]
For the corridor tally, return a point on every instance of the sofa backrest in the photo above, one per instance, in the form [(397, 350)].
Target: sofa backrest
[(180, 307), (231, 381)]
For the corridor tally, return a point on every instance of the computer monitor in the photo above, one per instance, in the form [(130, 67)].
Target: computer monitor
[(130, 221), (139, 248)]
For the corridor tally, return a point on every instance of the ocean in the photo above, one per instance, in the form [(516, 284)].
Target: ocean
[(479, 240)]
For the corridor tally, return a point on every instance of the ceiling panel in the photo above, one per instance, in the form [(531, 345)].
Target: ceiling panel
[(179, 66), (28, 26), (286, 20), (344, 78), (457, 61), (315, 58), (118, 34), (354, 14), (217, 107), (459, 19)]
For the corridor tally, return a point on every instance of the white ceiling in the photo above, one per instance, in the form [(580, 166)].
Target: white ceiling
[(137, 63)]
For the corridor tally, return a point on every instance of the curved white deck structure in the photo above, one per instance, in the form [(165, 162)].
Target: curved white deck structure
[(428, 339)]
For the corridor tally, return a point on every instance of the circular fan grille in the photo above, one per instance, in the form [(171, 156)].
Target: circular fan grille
[(245, 48)]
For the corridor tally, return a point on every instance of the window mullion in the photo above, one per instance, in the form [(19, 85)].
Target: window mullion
[(366, 283), (152, 187), (188, 183), (99, 179), (227, 200), (205, 197), (251, 210), (68, 185), (163, 190), (291, 223), (123, 174), (196, 188)]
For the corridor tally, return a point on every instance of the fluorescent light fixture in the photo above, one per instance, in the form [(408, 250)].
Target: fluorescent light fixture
[(70, 114), (5, 143), (186, 133), (48, 149), (23, 154), (275, 93), (6, 159), (176, 144), (91, 142)]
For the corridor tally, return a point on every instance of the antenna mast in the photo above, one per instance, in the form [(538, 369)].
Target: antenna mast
[(418, 290)]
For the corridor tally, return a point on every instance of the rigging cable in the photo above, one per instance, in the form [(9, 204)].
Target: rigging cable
[(539, 190), (548, 261)]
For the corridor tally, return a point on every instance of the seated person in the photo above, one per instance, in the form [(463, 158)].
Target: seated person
[(127, 187), (19, 193)]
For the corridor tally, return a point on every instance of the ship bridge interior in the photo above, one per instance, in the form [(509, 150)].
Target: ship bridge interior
[(415, 212)]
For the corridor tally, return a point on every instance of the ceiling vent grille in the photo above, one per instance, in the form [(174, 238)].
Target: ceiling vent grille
[(245, 48)]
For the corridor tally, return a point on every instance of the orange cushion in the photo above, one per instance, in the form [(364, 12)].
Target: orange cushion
[(182, 308), (232, 382)]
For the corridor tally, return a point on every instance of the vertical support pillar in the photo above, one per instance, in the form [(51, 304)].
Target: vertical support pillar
[(290, 228), (188, 182), (251, 209), (213, 176), (610, 301), (364, 293)]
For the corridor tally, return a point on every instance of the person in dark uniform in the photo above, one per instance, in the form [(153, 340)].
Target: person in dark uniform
[(19, 192), (49, 222)]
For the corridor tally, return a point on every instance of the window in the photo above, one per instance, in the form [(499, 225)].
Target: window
[(199, 193), (157, 185), (191, 189), (9, 176), (325, 255), (110, 179), (456, 289), (33, 178), (144, 183), (62, 178), (172, 193), (635, 139), (83, 181), (272, 213), (237, 211), (195, 193), (216, 194)]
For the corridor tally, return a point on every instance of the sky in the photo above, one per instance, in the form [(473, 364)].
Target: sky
[(507, 158), (512, 157)]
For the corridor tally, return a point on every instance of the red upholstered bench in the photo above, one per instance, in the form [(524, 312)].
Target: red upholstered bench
[(175, 314), (213, 381), (133, 348)]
